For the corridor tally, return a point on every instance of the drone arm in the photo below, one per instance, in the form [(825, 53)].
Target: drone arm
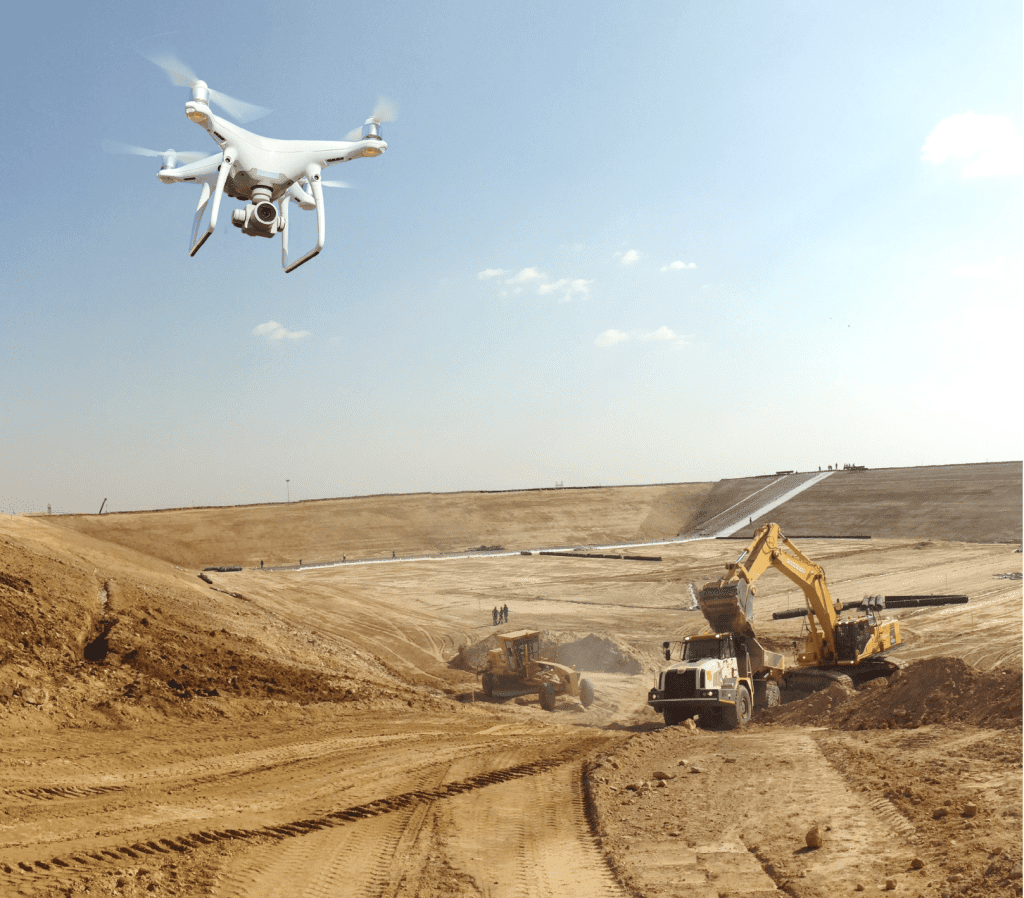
[(222, 177), (313, 176)]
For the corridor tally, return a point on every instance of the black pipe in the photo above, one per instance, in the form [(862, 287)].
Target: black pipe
[(919, 601), (890, 602)]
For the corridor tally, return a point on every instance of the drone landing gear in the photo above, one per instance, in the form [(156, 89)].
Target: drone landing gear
[(222, 177), (313, 176)]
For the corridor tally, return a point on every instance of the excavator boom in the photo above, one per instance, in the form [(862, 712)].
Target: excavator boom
[(727, 604)]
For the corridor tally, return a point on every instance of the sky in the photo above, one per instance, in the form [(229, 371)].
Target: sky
[(608, 244)]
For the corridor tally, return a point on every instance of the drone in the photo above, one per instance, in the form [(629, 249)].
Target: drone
[(259, 170)]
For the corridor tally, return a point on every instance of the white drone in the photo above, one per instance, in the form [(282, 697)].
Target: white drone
[(260, 170)]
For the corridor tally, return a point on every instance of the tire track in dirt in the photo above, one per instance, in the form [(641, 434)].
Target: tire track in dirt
[(14, 870), (411, 852), (529, 839), (316, 773), (732, 816)]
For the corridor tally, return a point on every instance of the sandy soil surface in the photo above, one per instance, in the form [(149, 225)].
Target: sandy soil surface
[(315, 731)]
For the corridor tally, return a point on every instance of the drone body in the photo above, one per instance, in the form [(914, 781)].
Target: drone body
[(260, 171)]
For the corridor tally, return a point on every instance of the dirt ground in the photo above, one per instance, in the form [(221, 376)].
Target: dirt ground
[(313, 731)]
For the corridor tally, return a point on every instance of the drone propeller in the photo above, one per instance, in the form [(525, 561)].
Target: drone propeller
[(182, 76), (112, 146), (384, 111), (324, 183)]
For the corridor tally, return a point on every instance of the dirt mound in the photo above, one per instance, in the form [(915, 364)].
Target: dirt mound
[(590, 653), (935, 690), (598, 654), (79, 644)]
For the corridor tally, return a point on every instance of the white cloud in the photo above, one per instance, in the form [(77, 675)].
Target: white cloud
[(988, 143), (490, 273), (274, 331), (569, 287), (662, 335), (629, 257), (678, 266), (611, 337), (578, 285), (527, 274), (550, 288)]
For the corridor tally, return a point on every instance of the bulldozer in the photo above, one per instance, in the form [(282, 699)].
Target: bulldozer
[(520, 667)]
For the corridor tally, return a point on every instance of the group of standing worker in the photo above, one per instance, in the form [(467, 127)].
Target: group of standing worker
[(500, 615)]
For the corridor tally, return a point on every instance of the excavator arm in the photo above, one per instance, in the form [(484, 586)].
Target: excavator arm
[(726, 612)]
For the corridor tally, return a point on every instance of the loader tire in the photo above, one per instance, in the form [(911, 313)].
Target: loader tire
[(547, 696), (487, 683), (586, 693), (739, 714)]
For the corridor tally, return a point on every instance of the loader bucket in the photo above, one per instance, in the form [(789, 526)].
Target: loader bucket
[(727, 609)]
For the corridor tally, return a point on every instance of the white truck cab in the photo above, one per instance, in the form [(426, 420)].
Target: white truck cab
[(718, 678)]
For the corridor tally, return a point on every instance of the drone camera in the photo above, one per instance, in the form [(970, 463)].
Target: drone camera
[(258, 219), (265, 213)]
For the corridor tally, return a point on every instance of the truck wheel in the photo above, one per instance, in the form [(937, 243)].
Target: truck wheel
[(487, 683), (547, 696), (586, 693), (739, 714), (674, 717), (766, 694)]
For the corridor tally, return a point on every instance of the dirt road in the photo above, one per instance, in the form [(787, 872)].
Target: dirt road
[(324, 801)]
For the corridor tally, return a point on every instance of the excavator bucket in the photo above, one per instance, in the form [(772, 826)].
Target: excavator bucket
[(727, 609)]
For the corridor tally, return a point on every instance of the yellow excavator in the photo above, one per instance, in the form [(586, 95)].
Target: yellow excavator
[(725, 675), (845, 649)]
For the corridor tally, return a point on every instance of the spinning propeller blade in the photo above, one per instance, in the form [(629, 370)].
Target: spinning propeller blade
[(384, 111), (112, 146), (182, 76), (324, 183)]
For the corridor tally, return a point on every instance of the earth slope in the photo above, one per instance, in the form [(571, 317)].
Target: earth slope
[(307, 732)]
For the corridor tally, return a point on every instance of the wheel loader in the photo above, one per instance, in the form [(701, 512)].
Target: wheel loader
[(519, 667)]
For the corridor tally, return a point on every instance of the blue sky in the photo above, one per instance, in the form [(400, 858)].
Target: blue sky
[(608, 244)]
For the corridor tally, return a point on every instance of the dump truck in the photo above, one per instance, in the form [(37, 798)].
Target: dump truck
[(520, 667), (719, 678)]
